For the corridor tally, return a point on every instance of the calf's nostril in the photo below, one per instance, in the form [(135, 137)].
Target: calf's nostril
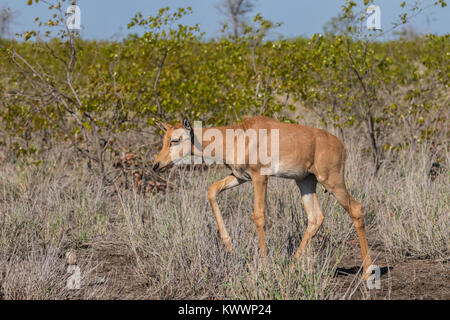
[(156, 166)]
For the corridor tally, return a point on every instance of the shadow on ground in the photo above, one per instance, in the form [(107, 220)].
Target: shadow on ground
[(357, 269)]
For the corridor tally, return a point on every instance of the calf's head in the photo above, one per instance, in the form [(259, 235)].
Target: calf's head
[(177, 144)]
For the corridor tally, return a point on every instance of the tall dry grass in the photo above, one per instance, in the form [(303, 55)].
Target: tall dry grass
[(169, 241)]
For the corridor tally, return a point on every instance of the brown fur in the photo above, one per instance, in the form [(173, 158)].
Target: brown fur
[(307, 155)]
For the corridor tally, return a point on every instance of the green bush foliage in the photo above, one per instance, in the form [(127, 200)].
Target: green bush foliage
[(56, 85)]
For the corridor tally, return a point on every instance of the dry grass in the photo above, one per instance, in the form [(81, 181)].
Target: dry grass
[(167, 247)]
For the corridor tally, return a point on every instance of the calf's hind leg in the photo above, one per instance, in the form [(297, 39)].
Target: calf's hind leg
[(315, 216), (336, 185)]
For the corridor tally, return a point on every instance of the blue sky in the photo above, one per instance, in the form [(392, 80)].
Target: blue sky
[(107, 19)]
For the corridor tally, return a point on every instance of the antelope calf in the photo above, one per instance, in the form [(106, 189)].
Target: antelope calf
[(307, 155)]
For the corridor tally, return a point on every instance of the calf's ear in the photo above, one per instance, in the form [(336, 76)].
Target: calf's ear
[(187, 125), (163, 126)]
